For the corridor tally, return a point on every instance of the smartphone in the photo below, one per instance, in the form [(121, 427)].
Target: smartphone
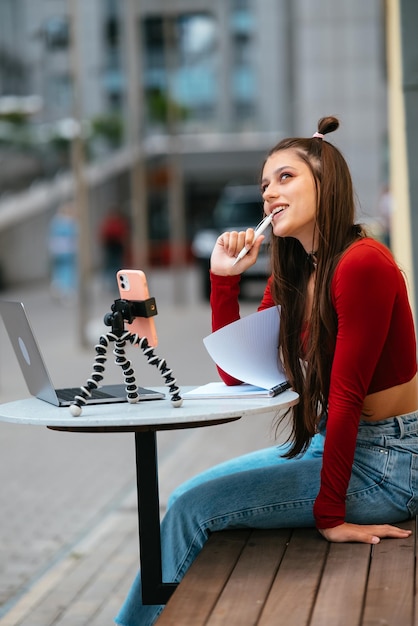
[(132, 285)]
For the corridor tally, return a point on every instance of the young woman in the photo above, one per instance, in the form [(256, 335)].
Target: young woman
[(348, 346)]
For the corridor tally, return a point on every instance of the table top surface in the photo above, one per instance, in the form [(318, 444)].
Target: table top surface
[(155, 414)]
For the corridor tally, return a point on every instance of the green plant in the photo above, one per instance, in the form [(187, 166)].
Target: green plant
[(109, 128)]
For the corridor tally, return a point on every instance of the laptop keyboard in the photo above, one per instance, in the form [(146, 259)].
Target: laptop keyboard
[(71, 392)]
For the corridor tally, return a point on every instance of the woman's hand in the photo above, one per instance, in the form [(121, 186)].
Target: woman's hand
[(372, 533), (227, 248)]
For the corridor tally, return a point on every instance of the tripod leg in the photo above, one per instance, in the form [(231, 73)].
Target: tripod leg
[(128, 372), (97, 375), (161, 365)]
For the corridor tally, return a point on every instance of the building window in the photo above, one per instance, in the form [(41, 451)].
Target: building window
[(242, 70), (56, 33), (191, 62)]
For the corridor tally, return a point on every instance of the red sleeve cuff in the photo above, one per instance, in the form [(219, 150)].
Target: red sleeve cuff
[(328, 515)]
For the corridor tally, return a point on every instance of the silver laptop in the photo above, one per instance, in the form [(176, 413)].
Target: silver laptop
[(36, 374)]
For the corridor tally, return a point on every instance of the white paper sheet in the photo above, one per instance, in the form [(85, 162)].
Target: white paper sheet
[(248, 349), (220, 390)]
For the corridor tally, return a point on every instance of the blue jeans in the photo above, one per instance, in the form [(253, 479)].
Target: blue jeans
[(262, 490)]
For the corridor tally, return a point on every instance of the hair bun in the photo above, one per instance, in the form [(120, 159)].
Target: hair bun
[(328, 125)]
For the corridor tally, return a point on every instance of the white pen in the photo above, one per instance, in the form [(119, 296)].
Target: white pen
[(259, 231)]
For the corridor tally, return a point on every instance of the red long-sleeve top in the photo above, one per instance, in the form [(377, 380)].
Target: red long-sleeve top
[(375, 350)]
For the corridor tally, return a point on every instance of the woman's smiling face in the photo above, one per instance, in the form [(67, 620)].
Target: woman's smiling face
[(288, 184)]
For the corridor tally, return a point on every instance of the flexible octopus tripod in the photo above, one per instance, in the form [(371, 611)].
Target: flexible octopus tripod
[(125, 310)]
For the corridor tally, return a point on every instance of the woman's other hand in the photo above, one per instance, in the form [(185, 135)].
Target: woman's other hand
[(228, 246), (372, 533)]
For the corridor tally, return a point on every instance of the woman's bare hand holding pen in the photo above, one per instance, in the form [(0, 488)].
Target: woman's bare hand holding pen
[(227, 248)]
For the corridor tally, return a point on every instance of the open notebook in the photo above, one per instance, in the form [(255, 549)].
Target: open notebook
[(247, 350)]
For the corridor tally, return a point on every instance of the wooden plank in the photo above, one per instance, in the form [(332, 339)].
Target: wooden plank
[(271, 578), (294, 589), (390, 591), (192, 602), (341, 593), (244, 595)]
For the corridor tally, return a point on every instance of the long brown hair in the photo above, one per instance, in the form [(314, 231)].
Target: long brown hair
[(308, 366)]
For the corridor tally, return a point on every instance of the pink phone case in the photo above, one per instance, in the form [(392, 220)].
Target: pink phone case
[(133, 285)]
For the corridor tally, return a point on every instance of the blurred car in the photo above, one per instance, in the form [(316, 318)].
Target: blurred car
[(238, 207)]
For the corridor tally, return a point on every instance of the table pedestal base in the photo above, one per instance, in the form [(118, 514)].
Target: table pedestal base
[(154, 591)]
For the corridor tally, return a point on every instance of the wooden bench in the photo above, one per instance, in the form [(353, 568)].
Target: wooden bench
[(296, 578)]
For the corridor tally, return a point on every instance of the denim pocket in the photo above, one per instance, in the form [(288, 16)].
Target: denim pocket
[(370, 467)]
